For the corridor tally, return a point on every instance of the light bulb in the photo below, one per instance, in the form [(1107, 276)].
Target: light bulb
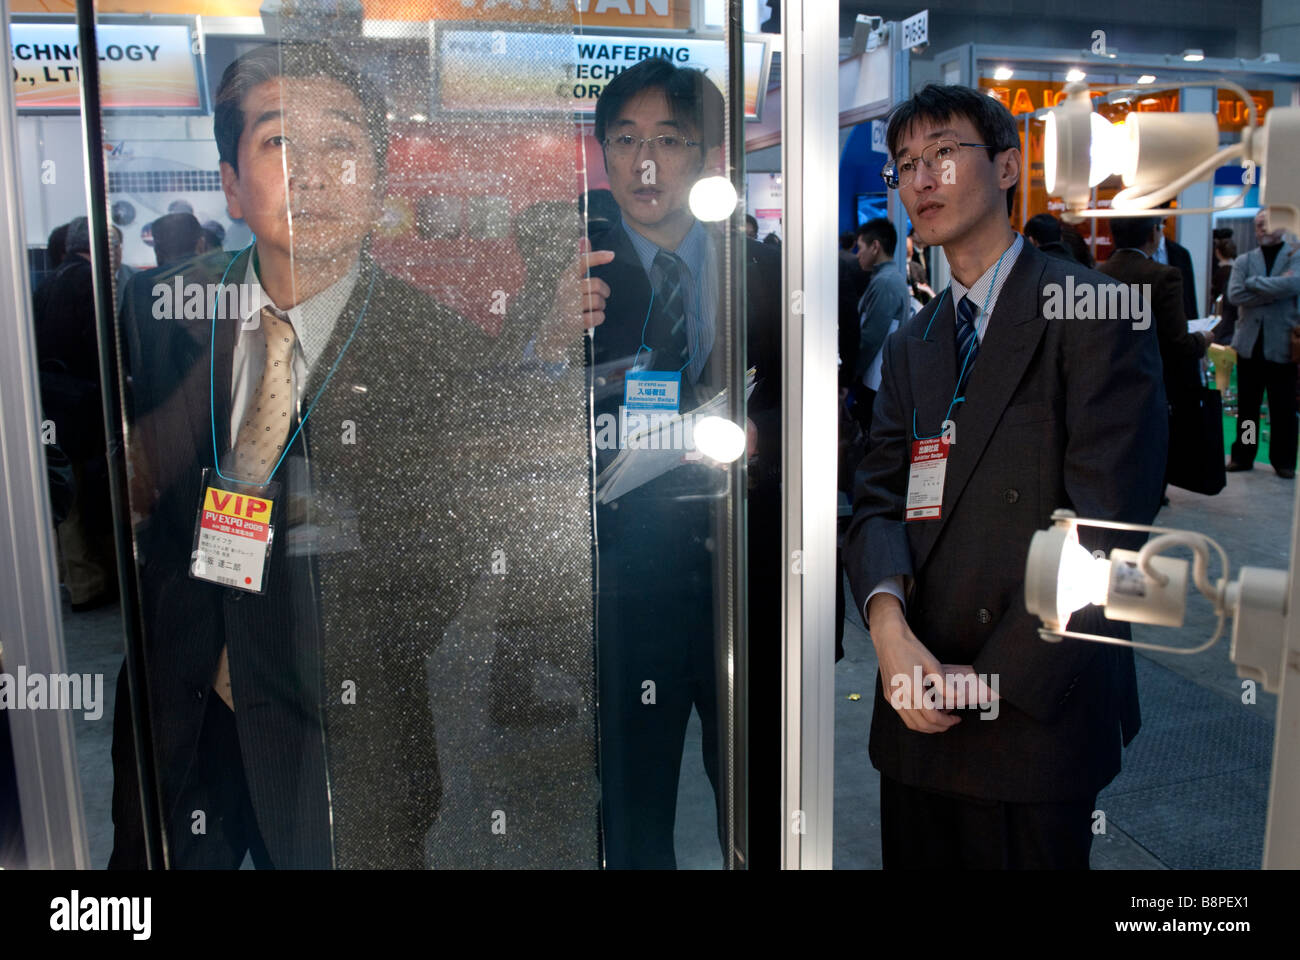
[(719, 439), (1081, 578), (713, 198)]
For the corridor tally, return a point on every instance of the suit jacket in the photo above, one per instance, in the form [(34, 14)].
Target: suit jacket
[(363, 580), (1267, 300), (1180, 258), (655, 533), (1180, 351), (1059, 413)]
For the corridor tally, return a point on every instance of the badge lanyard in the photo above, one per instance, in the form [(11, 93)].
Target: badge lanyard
[(212, 414), (970, 351), (644, 346)]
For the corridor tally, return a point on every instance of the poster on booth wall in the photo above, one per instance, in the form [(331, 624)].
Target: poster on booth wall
[(763, 201), (142, 67)]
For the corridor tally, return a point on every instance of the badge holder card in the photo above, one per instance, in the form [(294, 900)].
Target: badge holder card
[(234, 532)]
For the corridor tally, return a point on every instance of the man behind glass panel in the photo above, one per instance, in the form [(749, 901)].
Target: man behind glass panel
[(662, 272), (293, 723)]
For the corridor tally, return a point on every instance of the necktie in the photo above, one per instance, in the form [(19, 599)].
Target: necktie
[(666, 334), (966, 340), (263, 433)]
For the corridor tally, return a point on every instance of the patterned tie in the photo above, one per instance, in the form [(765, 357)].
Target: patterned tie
[(966, 340), (262, 435), (666, 334), (265, 429)]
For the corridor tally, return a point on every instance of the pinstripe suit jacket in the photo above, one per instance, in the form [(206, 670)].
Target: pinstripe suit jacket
[(365, 570)]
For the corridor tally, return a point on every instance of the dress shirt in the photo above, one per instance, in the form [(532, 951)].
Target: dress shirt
[(313, 322)]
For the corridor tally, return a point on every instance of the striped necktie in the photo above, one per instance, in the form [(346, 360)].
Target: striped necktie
[(966, 341), (666, 335)]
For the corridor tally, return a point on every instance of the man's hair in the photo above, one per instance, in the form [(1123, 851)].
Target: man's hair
[(1043, 228), (175, 237), (940, 104), (56, 248), (1132, 231), (78, 239), (694, 100), (880, 230), (297, 61)]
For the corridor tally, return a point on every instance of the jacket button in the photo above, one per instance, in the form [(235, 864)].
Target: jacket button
[(983, 615), (235, 595), (198, 693), (1011, 496)]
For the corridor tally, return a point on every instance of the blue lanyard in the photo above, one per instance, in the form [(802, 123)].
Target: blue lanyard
[(970, 351), (212, 351), (646, 323)]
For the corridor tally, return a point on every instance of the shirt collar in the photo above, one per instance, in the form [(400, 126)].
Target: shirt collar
[(313, 320), (691, 249), (984, 290)]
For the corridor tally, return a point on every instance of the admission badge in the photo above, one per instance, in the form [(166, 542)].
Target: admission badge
[(234, 532), (925, 479)]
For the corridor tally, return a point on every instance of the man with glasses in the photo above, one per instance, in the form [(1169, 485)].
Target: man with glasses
[(662, 272), (989, 417)]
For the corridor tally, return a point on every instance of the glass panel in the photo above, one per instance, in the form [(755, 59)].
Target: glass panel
[(361, 503), (668, 361)]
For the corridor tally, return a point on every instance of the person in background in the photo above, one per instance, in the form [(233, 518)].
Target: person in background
[(751, 226), (1264, 284), (176, 237), (214, 236), (1044, 231), (1180, 351), (56, 247), (67, 353), (886, 305), (1220, 351), (1175, 255), (918, 274), (1077, 246)]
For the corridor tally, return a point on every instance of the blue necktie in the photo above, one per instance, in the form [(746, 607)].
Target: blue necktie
[(966, 340)]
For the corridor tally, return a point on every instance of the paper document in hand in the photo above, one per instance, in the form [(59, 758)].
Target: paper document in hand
[(654, 443), (1202, 324)]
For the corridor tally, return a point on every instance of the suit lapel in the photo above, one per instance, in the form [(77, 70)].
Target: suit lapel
[(1009, 342), (932, 369)]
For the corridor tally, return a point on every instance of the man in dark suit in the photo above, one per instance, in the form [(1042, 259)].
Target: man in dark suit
[(1174, 254), (658, 584), (293, 724), (1136, 241), (1030, 414)]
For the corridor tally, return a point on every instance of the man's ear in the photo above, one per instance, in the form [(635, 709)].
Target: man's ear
[(1009, 169), (229, 183)]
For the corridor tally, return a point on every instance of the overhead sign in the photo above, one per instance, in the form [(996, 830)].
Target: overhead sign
[(140, 67), (595, 59), (644, 14)]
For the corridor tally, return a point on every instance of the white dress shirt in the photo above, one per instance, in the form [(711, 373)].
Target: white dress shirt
[(313, 323)]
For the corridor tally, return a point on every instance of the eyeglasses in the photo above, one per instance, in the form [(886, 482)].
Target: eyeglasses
[(668, 145), (898, 174)]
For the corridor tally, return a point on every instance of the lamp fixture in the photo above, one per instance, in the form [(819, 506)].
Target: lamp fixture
[(1160, 154), (1193, 56), (1144, 586)]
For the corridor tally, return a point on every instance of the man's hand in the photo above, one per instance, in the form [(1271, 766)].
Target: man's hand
[(579, 304), (955, 676), (899, 652)]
